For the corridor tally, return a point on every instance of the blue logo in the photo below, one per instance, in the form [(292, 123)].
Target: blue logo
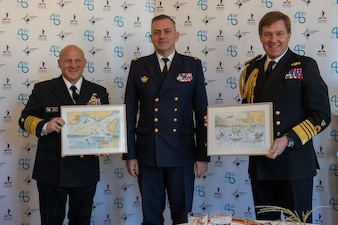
[(232, 19), (299, 49), (231, 81), (23, 3), (300, 17), (22, 34), (334, 65), (23, 66), (201, 34), (89, 35), (119, 21), (232, 50), (335, 31), (118, 50), (55, 50), (268, 3), (150, 6), (89, 4), (118, 81), (202, 4), (55, 19)]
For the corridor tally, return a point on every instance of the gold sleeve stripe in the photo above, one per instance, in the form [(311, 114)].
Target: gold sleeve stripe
[(30, 124), (306, 130)]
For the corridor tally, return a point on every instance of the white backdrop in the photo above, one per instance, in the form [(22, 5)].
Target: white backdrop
[(223, 34)]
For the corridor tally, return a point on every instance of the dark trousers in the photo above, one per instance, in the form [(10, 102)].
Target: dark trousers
[(293, 195), (154, 183), (53, 199)]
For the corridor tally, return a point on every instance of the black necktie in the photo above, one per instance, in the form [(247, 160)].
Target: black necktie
[(74, 94), (165, 68), (269, 69)]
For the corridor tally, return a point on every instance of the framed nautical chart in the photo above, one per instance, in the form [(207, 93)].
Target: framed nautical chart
[(240, 129), (93, 129)]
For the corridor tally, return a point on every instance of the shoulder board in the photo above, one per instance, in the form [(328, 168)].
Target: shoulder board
[(135, 59), (196, 58), (253, 59)]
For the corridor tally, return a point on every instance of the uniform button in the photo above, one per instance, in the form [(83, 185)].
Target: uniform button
[(277, 122), (174, 130), (63, 156), (156, 130), (175, 120), (157, 99), (277, 113), (175, 109), (155, 120), (81, 156), (176, 99), (155, 109), (278, 134)]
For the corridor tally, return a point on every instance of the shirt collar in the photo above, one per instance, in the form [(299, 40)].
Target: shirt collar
[(77, 85)]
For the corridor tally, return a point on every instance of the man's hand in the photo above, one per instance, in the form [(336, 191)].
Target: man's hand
[(278, 147), (132, 167), (200, 168), (55, 124)]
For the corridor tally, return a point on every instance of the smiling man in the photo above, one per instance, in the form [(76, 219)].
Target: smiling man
[(301, 110)]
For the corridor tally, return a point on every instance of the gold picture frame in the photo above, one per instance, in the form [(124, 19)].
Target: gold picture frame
[(244, 129), (93, 129)]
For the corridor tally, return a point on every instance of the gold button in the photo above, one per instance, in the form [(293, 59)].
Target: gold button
[(175, 109), (81, 156), (278, 134), (155, 120), (277, 113), (157, 99), (277, 122), (63, 156), (205, 144), (156, 130), (176, 99), (175, 120), (155, 109), (174, 130)]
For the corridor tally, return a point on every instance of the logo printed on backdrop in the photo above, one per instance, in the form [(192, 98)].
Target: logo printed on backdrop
[(300, 49), (150, 6), (220, 5), (8, 183), (300, 17), (89, 35), (22, 33), (7, 85), (188, 22), (8, 216), (232, 19), (220, 36), (74, 21), (90, 66), (6, 19), (319, 187), (89, 5), (137, 23), (321, 52), (322, 18), (202, 4), (334, 31), (218, 194)]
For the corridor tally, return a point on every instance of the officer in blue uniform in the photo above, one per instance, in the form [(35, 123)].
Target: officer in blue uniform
[(301, 110), (60, 177), (166, 102)]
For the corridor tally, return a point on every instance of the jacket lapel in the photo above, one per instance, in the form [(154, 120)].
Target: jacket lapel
[(61, 93)]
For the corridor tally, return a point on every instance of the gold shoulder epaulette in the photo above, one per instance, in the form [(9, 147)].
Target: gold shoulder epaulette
[(196, 58), (135, 59), (253, 59)]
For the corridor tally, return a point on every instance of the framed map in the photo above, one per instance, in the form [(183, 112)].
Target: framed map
[(93, 129), (240, 129)]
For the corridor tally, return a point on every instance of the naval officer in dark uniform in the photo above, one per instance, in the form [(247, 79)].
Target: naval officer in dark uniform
[(166, 101), (301, 110), (60, 177)]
